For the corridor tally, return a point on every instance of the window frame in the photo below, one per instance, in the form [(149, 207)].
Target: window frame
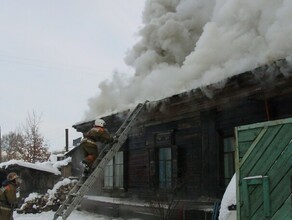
[(227, 156), (164, 175), (162, 140), (111, 179)]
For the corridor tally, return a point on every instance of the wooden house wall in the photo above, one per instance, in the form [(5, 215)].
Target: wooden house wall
[(33, 180), (187, 138), (136, 171), (66, 171), (36, 181), (189, 152), (279, 110), (199, 120), (198, 136)]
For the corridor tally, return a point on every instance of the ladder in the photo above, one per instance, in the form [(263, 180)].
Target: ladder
[(77, 193)]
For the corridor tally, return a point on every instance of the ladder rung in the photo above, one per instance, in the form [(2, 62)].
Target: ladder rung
[(73, 194), (77, 193)]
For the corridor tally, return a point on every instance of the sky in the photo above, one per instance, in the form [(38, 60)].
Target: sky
[(53, 56), (74, 61)]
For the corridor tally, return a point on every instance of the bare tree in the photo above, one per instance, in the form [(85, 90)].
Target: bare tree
[(35, 149), (12, 145), (26, 144), (164, 202)]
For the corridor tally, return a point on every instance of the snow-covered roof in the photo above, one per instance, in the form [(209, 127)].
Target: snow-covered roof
[(71, 150), (58, 164), (37, 166), (54, 157)]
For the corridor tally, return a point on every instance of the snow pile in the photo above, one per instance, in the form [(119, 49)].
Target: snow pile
[(62, 163), (36, 203), (186, 44), (32, 204), (229, 198), (58, 186), (58, 164), (75, 215)]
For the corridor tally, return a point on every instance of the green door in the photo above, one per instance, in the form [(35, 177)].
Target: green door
[(264, 170)]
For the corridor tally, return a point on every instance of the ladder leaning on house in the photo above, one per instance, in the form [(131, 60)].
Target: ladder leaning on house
[(77, 193)]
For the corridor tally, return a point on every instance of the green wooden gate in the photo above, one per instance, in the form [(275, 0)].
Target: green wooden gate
[(264, 170)]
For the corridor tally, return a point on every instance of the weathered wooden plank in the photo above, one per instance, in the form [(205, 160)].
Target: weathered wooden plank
[(245, 112), (277, 197), (209, 177), (281, 167), (285, 165), (285, 212), (248, 135), (243, 147), (264, 124), (280, 193), (271, 157), (277, 146), (257, 153), (251, 148)]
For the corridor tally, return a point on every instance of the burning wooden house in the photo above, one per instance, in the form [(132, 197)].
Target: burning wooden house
[(181, 149)]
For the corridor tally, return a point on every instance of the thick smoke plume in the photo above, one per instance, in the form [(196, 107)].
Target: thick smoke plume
[(186, 44)]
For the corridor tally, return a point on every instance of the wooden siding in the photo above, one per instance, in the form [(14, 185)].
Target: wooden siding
[(33, 180), (264, 170), (199, 120)]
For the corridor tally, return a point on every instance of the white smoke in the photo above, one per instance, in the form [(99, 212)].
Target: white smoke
[(186, 44)]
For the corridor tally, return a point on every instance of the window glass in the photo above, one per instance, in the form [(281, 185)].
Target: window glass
[(165, 168), (229, 166), (108, 175), (114, 172), (119, 169)]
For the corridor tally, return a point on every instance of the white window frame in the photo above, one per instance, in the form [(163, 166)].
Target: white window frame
[(114, 172)]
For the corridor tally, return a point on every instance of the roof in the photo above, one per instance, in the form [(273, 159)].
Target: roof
[(259, 84), (38, 166), (71, 151)]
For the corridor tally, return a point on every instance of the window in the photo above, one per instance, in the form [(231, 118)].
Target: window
[(108, 175), (165, 168), (119, 170), (114, 172), (163, 160), (228, 158)]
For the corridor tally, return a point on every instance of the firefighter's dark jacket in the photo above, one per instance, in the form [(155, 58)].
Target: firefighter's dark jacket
[(97, 134), (8, 197)]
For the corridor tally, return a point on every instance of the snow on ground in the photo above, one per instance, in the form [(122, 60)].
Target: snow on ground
[(75, 215), (228, 199)]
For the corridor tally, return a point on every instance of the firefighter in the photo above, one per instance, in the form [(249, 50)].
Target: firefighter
[(89, 143), (8, 198)]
